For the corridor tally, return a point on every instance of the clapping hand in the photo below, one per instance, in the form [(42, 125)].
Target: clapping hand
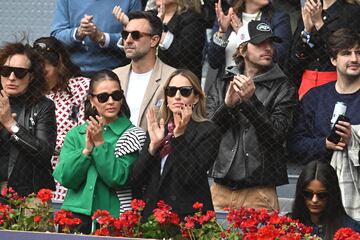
[(223, 20), (94, 134), (306, 17), (181, 119), (235, 21), (161, 10), (6, 117), (241, 89), (314, 8), (120, 15), (155, 129)]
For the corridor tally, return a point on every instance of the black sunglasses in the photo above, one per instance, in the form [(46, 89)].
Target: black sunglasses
[(104, 97), (20, 73), (320, 195), (135, 35), (184, 91)]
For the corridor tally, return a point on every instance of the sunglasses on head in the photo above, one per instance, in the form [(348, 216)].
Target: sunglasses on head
[(135, 35), (20, 73), (45, 49), (104, 97), (184, 91), (320, 195)]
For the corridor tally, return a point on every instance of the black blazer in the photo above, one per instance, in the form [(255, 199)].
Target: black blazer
[(184, 178)]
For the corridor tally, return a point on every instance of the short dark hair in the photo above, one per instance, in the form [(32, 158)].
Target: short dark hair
[(334, 212), (38, 85), (342, 39), (154, 21), (99, 76)]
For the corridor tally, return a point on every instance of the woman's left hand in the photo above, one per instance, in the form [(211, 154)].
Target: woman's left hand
[(181, 119), (95, 128), (6, 118), (315, 8)]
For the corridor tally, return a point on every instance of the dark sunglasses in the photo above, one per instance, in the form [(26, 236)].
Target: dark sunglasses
[(135, 35), (20, 73), (320, 195), (104, 97), (184, 91)]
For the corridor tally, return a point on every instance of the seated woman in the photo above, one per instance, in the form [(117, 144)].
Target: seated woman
[(318, 201), (89, 166), (67, 89), (27, 121), (180, 149)]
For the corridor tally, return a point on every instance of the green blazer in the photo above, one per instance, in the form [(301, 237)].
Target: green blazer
[(92, 180)]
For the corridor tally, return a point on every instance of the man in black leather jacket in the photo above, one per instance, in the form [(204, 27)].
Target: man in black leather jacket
[(27, 121), (253, 107)]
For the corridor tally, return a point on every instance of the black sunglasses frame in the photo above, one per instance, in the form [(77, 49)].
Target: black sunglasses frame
[(104, 97), (185, 91), (320, 195), (135, 35), (20, 73)]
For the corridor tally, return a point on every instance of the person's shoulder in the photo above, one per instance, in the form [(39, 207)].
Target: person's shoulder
[(120, 71), (44, 102), (319, 90), (204, 126), (79, 85), (352, 223)]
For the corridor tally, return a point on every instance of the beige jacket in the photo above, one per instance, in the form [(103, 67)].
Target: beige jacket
[(155, 88)]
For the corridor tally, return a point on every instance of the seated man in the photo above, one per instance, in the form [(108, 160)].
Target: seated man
[(322, 105), (27, 121)]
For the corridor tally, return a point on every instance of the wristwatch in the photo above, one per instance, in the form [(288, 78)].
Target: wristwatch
[(165, 28), (14, 128), (305, 37)]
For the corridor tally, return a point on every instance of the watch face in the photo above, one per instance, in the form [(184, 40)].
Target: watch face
[(14, 129)]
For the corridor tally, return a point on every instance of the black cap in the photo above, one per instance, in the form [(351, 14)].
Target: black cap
[(256, 32)]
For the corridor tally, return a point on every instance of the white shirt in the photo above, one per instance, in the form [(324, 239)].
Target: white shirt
[(137, 86)]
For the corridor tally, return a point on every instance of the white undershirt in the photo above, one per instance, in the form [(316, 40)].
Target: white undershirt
[(233, 39), (137, 85)]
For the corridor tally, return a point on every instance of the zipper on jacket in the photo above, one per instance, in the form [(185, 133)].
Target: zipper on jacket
[(27, 144)]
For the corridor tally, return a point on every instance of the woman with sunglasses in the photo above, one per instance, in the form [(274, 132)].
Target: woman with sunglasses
[(89, 166), (318, 201), (27, 121), (67, 89), (179, 151)]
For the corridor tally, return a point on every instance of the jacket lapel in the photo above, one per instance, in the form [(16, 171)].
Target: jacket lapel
[(172, 158), (151, 88), (124, 81)]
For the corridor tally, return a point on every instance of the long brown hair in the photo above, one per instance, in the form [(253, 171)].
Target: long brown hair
[(199, 111)]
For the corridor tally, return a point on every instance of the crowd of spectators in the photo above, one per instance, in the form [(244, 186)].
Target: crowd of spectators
[(110, 107)]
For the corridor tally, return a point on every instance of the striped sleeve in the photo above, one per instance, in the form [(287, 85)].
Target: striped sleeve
[(131, 141)]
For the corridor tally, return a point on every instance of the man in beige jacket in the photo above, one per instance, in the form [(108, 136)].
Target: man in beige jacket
[(143, 80)]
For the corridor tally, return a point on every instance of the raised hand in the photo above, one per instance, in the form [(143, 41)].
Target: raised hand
[(96, 130), (235, 21), (223, 20), (161, 10), (306, 17), (85, 28), (120, 15), (314, 7), (6, 117), (156, 130), (181, 119)]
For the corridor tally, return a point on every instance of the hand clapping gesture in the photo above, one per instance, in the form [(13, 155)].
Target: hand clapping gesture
[(155, 129), (313, 8), (94, 132), (7, 119), (241, 89), (88, 28)]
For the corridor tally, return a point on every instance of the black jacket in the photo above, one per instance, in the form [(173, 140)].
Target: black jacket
[(32, 148), (339, 15), (184, 178), (252, 149)]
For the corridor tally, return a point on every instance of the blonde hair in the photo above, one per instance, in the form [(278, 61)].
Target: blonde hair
[(353, 1), (186, 5), (199, 110)]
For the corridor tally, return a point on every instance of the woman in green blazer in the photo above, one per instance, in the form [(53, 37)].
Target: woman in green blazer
[(96, 156)]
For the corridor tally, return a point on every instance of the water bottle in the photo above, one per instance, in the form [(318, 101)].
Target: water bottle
[(339, 109)]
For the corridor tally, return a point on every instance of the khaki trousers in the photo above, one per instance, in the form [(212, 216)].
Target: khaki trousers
[(255, 197)]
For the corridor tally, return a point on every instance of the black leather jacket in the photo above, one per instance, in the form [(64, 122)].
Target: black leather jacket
[(32, 147), (252, 149)]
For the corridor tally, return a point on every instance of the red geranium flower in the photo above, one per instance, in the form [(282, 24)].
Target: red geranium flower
[(37, 218), (44, 195), (198, 205)]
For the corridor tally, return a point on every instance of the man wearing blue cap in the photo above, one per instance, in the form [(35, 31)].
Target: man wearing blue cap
[(253, 106)]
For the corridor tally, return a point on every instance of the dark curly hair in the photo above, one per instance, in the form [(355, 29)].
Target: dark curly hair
[(38, 85)]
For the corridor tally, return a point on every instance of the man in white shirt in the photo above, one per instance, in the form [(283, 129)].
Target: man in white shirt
[(143, 80)]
